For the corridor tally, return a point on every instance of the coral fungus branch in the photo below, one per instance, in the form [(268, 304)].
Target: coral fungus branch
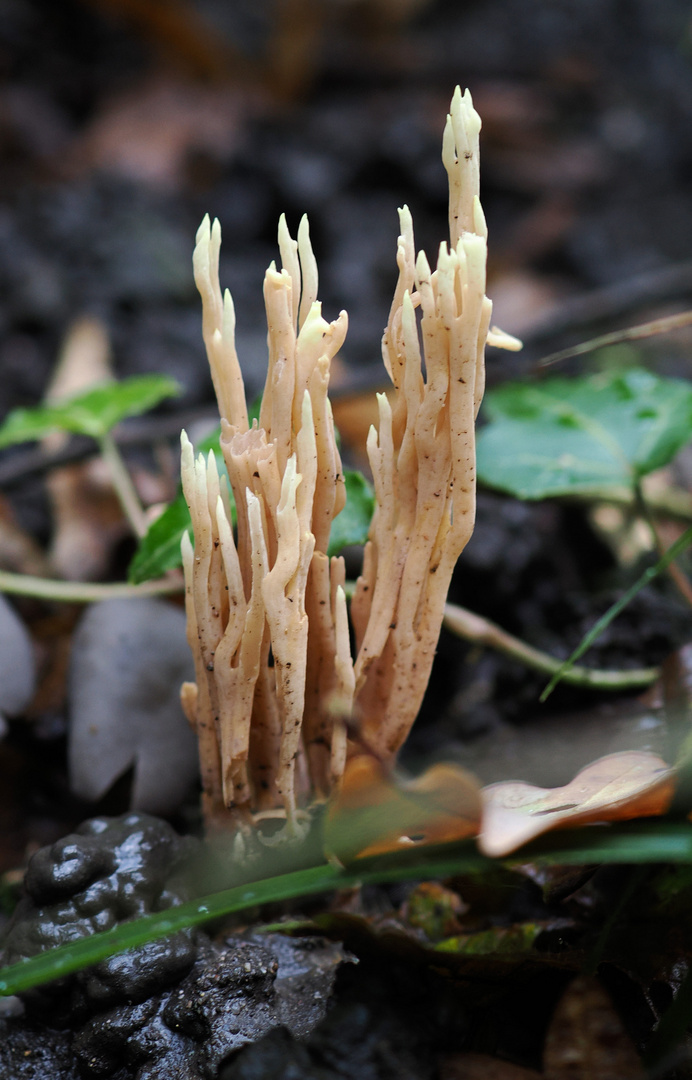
[(277, 689)]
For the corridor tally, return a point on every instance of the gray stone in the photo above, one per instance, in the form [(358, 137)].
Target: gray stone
[(17, 666), (129, 658)]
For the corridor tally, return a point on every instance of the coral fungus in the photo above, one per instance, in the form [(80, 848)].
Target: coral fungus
[(276, 686)]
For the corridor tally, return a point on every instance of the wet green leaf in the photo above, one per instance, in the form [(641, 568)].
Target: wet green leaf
[(576, 436), (352, 524), (498, 940), (434, 909), (94, 413), (159, 548)]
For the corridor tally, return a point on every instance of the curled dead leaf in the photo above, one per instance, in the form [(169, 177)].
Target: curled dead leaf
[(372, 813), (617, 787)]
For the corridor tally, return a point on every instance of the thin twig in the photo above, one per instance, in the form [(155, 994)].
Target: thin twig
[(481, 631), (85, 592), (665, 283), (122, 483), (631, 333)]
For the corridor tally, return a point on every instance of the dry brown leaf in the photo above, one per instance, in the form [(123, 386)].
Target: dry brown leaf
[(372, 813), (631, 784), (88, 521), (52, 636), (586, 1039), (87, 516), (180, 32), (522, 299), (19, 551), (483, 1067), (148, 133)]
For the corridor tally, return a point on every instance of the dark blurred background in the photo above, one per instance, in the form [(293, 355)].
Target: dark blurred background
[(123, 121)]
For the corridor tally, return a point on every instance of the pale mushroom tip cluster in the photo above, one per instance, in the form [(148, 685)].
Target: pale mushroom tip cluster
[(276, 689)]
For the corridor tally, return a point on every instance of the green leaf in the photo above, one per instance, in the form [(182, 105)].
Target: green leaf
[(577, 436), (159, 548), (94, 413), (516, 940), (352, 524)]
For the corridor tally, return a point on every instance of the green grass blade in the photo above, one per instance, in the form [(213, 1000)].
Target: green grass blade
[(633, 842), (597, 629), (65, 959)]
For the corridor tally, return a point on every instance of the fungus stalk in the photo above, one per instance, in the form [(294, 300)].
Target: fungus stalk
[(276, 686)]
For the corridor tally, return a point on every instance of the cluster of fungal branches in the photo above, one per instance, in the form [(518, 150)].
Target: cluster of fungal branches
[(277, 690)]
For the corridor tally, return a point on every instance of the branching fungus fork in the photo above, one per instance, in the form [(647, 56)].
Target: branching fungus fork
[(276, 686)]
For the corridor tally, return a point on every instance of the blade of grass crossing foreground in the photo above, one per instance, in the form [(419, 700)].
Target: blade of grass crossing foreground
[(632, 842), (66, 959)]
